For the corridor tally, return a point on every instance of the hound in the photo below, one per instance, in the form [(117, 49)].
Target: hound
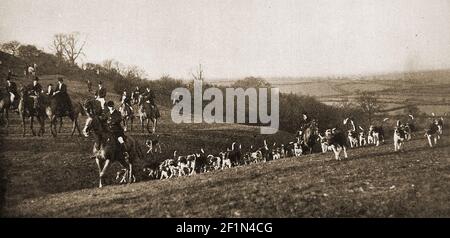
[(377, 134), (324, 145), (226, 162), (213, 162), (353, 138), (297, 150), (336, 140), (362, 138), (122, 176), (399, 138), (432, 134)]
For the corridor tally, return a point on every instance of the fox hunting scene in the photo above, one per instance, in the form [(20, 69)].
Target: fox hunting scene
[(225, 109)]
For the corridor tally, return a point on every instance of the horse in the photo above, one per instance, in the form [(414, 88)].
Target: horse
[(5, 104), (148, 112), (53, 113), (30, 108), (127, 114), (106, 149), (311, 136)]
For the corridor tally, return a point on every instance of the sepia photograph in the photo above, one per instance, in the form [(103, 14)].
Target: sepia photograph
[(224, 109)]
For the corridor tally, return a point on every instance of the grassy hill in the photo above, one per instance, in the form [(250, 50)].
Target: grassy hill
[(38, 166), (373, 182)]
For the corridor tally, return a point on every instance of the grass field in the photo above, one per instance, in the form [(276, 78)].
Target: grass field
[(373, 182), (428, 90)]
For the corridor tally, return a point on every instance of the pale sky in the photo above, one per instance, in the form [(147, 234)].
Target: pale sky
[(238, 38)]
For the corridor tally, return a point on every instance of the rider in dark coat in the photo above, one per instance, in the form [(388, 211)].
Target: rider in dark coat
[(11, 88), (35, 89), (148, 98), (114, 125), (101, 94), (135, 95), (63, 100)]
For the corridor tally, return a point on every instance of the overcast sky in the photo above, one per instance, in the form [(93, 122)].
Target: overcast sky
[(238, 38)]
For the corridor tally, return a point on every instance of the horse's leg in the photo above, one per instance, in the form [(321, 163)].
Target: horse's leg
[(130, 174), (42, 125), (6, 118), (148, 125), (74, 120), (23, 125), (53, 121), (60, 124), (102, 173), (31, 126), (155, 122), (345, 151), (99, 166)]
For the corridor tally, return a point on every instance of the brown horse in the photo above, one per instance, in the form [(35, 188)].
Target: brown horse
[(31, 107), (127, 115), (52, 112), (148, 112), (106, 148)]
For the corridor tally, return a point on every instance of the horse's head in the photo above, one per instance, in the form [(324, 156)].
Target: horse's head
[(92, 125)]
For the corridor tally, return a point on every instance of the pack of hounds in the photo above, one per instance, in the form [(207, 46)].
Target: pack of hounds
[(334, 140)]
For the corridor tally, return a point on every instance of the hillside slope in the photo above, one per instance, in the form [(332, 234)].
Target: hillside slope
[(373, 182), (38, 166)]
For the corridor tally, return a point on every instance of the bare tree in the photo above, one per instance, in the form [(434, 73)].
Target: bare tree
[(369, 105), (68, 46), (73, 48), (11, 47), (108, 64), (58, 45)]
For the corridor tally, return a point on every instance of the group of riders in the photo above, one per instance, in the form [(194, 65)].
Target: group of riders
[(109, 115)]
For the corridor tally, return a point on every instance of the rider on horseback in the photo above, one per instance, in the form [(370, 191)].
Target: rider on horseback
[(148, 99), (64, 103), (50, 90), (35, 91), (114, 124), (11, 88), (126, 100), (100, 94), (135, 95)]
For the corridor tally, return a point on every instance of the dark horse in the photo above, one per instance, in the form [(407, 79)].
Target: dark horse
[(310, 136), (30, 107), (54, 113), (106, 148), (148, 112)]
